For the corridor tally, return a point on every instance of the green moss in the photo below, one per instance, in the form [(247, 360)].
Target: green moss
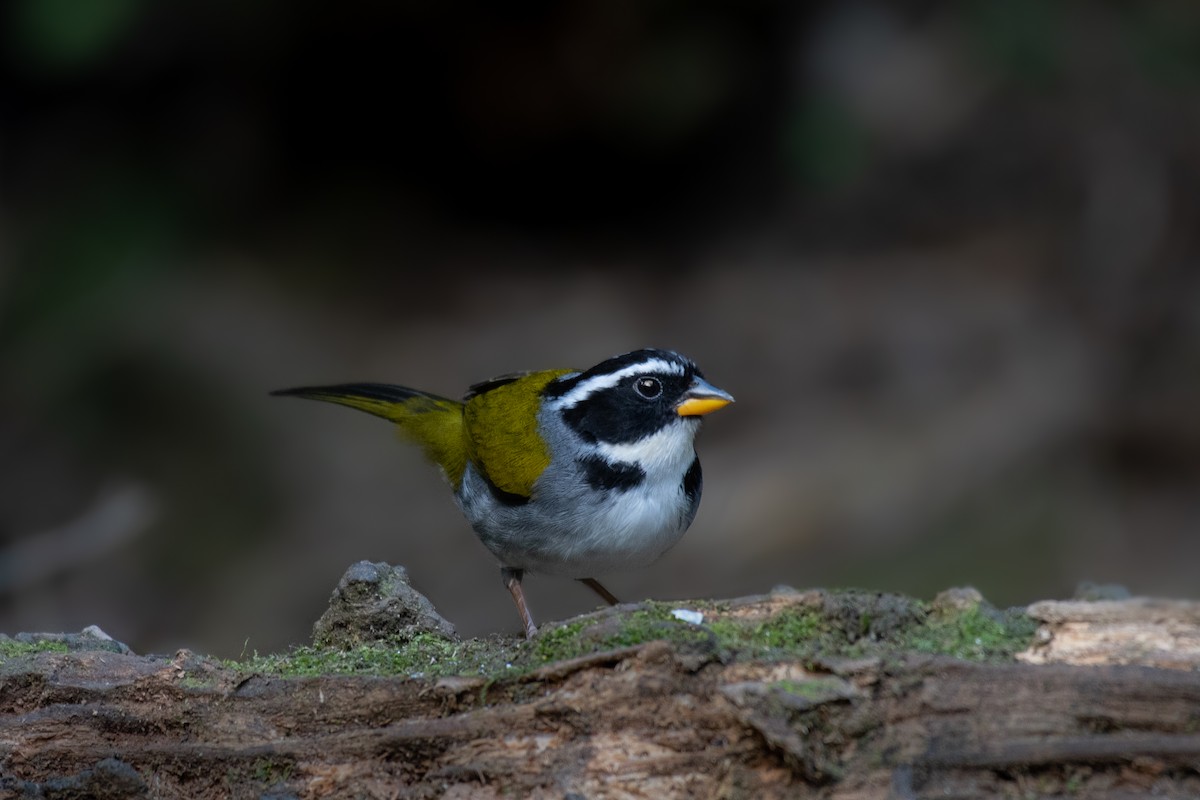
[(205, 681), (652, 622), (790, 631), (559, 643), (655, 623), (977, 634), (644, 626), (835, 625), (424, 656), (11, 648)]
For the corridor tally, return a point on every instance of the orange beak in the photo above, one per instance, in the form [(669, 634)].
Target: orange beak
[(702, 398)]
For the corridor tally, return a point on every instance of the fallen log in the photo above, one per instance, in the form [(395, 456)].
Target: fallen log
[(792, 694)]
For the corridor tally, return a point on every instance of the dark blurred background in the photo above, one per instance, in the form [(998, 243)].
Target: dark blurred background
[(943, 253)]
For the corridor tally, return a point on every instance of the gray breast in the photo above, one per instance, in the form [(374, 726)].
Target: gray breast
[(589, 514)]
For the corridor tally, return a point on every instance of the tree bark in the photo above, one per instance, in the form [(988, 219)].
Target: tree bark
[(651, 720)]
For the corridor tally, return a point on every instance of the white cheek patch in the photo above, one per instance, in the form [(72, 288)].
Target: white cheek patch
[(664, 455), (600, 382)]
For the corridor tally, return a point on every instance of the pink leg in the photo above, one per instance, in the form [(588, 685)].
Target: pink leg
[(512, 582), (599, 589)]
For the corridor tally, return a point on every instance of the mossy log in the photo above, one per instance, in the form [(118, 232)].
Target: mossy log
[(789, 695)]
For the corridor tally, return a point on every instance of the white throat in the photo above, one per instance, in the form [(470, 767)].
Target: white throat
[(664, 455)]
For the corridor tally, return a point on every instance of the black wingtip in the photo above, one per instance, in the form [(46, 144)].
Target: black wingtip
[(296, 392), (383, 392)]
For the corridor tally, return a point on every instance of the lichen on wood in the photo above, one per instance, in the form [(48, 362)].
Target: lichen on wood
[(812, 694)]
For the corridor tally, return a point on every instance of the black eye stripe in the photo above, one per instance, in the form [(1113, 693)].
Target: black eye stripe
[(564, 385), (619, 412)]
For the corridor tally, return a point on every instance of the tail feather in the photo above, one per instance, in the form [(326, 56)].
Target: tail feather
[(429, 420), (395, 403)]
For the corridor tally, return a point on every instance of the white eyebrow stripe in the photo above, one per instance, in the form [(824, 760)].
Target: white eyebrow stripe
[(599, 382)]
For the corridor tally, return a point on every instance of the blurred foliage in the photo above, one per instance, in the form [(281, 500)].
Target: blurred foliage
[(825, 146), (1023, 38), (61, 35), (887, 226)]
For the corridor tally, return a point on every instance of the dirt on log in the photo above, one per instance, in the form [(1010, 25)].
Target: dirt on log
[(860, 701)]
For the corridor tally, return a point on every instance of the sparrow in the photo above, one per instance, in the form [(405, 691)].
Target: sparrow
[(563, 472)]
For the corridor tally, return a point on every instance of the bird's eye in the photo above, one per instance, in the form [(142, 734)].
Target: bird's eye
[(648, 388)]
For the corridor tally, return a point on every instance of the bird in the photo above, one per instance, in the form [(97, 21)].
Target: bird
[(573, 473)]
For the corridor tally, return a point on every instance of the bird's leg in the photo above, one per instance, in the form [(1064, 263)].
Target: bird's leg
[(512, 582), (599, 589)]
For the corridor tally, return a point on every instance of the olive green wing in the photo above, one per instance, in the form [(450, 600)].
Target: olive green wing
[(483, 387), (500, 423)]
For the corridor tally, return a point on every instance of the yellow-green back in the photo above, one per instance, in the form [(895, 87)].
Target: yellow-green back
[(495, 428), (436, 425), (501, 430)]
